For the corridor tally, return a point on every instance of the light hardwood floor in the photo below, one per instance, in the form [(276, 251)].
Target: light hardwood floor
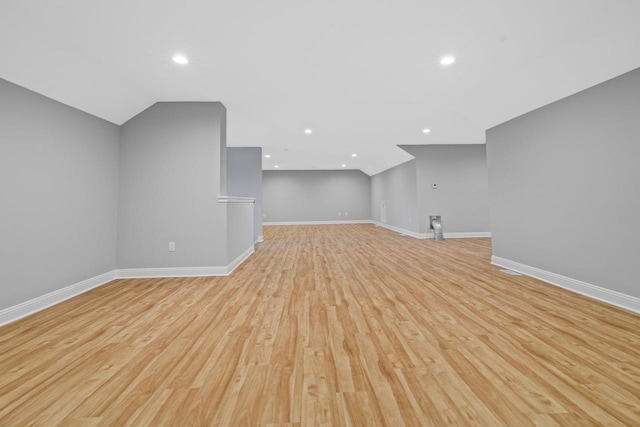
[(327, 325)]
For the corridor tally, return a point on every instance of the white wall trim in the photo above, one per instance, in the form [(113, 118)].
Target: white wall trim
[(592, 291), (429, 235), (148, 273), (466, 235), (236, 199), (355, 221), (24, 309), (260, 239), (410, 233), (239, 260)]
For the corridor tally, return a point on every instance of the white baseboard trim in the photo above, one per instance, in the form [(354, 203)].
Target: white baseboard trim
[(469, 235), (618, 299), (239, 260), (429, 235), (355, 221), (409, 233), (24, 309), (149, 273), (259, 240)]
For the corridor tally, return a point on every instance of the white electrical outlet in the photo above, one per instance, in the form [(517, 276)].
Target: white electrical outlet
[(346, 214), (339, 213), (172, 246)]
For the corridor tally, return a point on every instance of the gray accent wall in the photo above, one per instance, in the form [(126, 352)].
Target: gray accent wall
[(564, 186), (396, 188), (462, 193), (170, 178), (59, 193), (244, 179), (326, 195)]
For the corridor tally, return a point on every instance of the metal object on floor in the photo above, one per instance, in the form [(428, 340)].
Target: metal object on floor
[(435, 224)]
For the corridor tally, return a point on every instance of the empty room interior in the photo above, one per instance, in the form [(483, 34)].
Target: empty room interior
[(319, 213)]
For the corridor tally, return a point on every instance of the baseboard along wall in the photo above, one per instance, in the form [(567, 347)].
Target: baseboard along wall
[(16, 312), (414, 234), (24, 309), (429, 235), (618, 299), (355, 221)]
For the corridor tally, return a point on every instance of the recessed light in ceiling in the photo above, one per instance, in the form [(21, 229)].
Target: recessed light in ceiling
[(276, 166), (179, 59), (267, 155), (354, 155), (344, 166), (308, 131), (447, 60), (426, 130)]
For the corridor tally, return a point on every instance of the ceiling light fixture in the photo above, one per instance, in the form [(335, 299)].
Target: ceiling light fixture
[(426, 130), (267, 155), (447, 60), (276, 166), (179, 59), (354, 155), (308, 131), (344, 166)]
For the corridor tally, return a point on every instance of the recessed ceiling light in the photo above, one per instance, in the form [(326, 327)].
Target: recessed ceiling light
[(447, 60), (308, 131), (354, 155), (179, 59), (267, 155), (344, 166), (276, 166), (425, 130)]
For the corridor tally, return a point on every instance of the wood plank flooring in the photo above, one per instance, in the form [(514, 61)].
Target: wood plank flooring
[(340, 325)]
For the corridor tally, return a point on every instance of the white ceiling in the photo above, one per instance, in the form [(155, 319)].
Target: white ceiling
[(364, 75)]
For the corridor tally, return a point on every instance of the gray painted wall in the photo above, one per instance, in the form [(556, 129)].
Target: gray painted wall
[(291, 196), (564, 186), (239, 230), (244, 179), (398, 188), (462, 196), (59, 192), (170, 177)]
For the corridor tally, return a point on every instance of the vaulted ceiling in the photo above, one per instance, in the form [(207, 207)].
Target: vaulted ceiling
[(364, 76)]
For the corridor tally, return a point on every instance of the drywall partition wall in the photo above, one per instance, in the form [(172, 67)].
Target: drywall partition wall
[(244, 179), (59, 192), (327, 195), (396, 188), (462, 195), (564, 186), (239, 231), (170, 178)]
